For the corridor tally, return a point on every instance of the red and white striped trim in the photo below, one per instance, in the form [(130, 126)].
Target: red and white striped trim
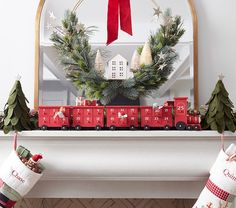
[(9, 203), (217, 191)]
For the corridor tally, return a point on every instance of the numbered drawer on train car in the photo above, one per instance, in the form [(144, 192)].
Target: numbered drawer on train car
[(111, 121), (133, 121), (77, 121), (44, 121), (167, 121), (53, 110), (77, 111), (88, 111), (88, 121), (43, 111), (167, 111), (157, 121), (146, 111), (132, 111), (98, 121), (123, 122), (146, 121), (98, 111), (122, 110), (158, 111), (64, 121), (112, 111)]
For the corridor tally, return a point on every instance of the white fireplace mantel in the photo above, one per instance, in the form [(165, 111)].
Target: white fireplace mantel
[(121, 164)]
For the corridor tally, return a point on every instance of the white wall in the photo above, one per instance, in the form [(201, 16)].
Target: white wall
[(142, 18), (17, 46), (216, 45), (217, 33)]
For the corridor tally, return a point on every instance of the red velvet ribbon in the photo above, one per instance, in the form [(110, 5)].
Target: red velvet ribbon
[(116, 9)]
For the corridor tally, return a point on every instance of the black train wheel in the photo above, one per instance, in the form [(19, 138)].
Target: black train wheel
[(98, 127), (167, 127), (64, 128), (196, 127), (132, 127), (78, 128), (44, 127), (146, 127), (180, 125), (112, 128), (189, 127)]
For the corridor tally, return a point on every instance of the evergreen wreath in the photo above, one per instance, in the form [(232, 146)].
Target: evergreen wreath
[(78, 59)]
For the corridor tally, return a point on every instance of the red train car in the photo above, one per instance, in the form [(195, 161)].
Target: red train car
[(122, 117), (156, 117), (88, 116), (54, 117)]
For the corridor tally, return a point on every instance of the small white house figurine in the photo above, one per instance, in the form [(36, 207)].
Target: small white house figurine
[(117, 68)]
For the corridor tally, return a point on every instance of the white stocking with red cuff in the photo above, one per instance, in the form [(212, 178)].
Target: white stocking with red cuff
[(220, 189)]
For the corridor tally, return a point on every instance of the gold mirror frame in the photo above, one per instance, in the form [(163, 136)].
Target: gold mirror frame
[(37, 52)]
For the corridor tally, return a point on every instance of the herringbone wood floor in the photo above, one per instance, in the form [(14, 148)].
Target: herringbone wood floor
[(104, 203)]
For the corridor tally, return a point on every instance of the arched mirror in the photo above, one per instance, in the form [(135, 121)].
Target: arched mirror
[(52, 87)]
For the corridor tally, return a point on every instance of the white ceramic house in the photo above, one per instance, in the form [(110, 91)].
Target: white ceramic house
[(117, 68)]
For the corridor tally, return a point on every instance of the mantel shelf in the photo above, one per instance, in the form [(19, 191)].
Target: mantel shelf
[(127, 159), (100, 135)]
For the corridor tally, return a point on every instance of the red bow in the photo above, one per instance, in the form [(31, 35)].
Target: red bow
[(118, 8)]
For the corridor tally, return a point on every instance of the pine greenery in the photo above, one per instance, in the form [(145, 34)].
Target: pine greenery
[(72, 42), (219, 115)]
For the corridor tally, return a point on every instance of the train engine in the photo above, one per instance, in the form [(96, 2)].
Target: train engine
[(173, 114), (182, 119)]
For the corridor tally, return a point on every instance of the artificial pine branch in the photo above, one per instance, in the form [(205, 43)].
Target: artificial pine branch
[(72, 43)]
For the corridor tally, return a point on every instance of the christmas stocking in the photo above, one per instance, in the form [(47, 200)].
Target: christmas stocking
[(220, 188), (18, 174)]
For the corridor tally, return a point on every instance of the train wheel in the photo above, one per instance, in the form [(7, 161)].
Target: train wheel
[(64, 128), (44, 128), (98, 127), (146, 127), (189, 127), (167, 127), (132, 127), (196, 127), (78, 128), (112, 128), (180, 125)]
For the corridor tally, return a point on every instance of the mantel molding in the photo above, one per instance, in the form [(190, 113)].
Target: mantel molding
[(100, 160)]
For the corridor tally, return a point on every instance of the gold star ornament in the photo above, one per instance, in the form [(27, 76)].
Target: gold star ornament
[(221, 76), (157, 12)]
